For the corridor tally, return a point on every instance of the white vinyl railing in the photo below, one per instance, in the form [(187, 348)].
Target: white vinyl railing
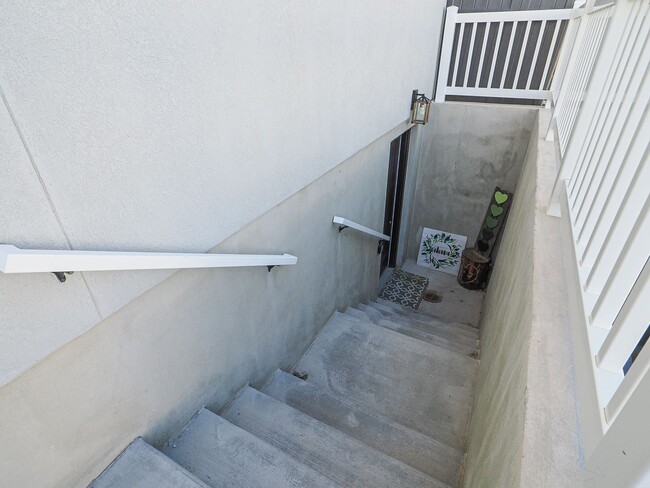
[(500, 54), (345, 223), (15, 260), (602, 124), (585, 34)]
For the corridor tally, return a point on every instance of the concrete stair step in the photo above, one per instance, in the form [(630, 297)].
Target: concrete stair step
[(406, 445), (421, 314), (449, 330), (419, 385), (402, 308), (433, 335), (327, 450), (142, 466), (455, 329), (223, 455)]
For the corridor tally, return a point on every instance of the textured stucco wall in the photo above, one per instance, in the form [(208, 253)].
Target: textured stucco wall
[(524, 430), (171, 125), (466, 150), (198, 336)]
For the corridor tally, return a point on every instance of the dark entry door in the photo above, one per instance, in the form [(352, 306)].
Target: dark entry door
[(399, 149)]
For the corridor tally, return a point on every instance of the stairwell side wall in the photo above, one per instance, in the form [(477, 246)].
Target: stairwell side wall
[(524, 430), (495, 439), (197, 337), (169, 126)]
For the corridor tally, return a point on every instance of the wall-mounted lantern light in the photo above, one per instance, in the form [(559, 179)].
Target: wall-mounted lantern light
[(420, 105)]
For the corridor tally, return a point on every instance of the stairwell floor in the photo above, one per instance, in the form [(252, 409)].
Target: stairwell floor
[(457, 304)]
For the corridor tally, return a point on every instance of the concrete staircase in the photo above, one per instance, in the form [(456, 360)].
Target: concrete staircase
[(385, 402)]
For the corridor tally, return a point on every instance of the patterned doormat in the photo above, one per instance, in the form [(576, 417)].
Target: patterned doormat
[(404, 288)]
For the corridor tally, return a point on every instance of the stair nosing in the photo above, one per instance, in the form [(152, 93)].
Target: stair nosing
[(437, 331), (267, 445), (451, 453), (400, 334), (336, 432)]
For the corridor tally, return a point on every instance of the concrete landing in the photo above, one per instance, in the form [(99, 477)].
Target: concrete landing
[(457, 303)]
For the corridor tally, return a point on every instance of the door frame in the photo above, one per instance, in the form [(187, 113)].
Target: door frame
[(395, 186)]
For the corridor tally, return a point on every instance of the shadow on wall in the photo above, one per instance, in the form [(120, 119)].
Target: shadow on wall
[(199, 336), (466, 151)]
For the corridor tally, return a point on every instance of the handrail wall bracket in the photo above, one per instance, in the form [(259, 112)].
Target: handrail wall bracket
[(345, 224), (60, 275)]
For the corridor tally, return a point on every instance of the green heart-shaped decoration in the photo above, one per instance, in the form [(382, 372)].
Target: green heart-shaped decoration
[(491, 223), (496, 211), (486, 235), (500, 198)]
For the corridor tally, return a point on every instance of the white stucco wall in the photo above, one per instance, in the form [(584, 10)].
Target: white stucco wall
[(197, 337), (170, 125)]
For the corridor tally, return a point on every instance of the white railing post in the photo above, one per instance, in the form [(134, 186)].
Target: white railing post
[(445, 53), (595, 79), (566, 50)]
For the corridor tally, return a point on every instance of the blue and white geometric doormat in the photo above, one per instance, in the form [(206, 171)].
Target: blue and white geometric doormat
[(404, 288)]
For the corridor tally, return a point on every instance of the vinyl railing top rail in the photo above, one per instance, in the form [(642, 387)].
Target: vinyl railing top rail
[(343, 222), (15, 260), (516, 15), (501, 54)]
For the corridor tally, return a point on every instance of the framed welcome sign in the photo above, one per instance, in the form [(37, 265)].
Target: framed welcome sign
[(441, 250)]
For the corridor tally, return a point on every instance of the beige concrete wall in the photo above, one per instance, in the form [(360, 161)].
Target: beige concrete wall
[(466, 150), (197, 337), (524, 430), (496, 429)]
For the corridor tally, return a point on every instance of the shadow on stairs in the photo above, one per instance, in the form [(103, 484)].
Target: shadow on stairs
[(382, 398)]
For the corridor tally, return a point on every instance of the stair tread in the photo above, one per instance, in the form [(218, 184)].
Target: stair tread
[(434, 335), (325, 449), (417, 318), (142, 466), (402, 308), (421, 386), (450, 330), (223, 455), (402, 443), (420, 315)]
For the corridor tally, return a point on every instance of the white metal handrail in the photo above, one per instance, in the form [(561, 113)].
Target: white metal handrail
[(492, 62), (344, 223), (15, 260)]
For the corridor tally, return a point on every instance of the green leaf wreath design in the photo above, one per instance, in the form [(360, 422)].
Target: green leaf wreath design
[(431, 242)]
